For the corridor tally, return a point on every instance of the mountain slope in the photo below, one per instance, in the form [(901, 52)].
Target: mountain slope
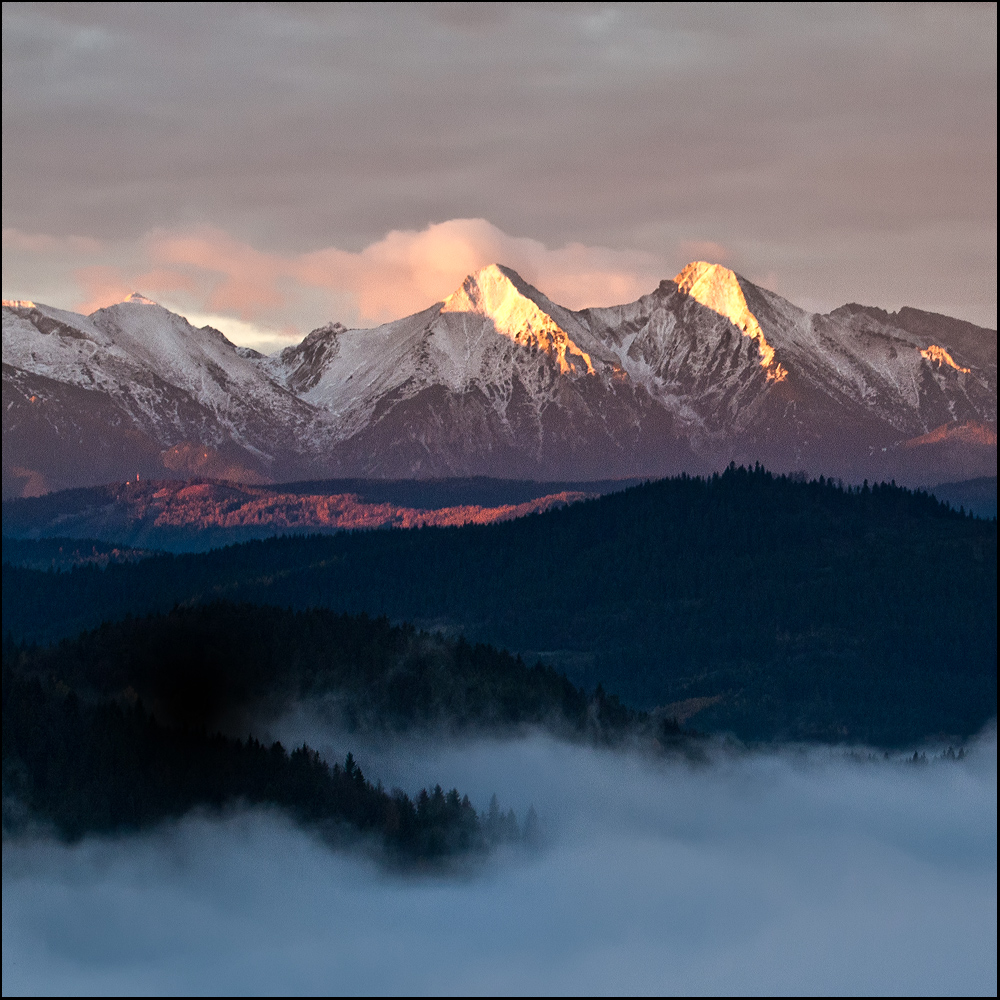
[(494, 380), (136, 388), (707, 369), (498, 380), (195, 516)]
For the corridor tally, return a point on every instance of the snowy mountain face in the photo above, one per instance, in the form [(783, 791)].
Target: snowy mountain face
[(706, 369), (494, 380), (499, 380), (136, 389)]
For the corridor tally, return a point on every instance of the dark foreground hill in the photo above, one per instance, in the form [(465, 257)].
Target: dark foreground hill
[(127, 725), (102, 767), (229, 667), (771, 607)]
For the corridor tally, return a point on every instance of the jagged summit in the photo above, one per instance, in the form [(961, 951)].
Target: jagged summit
[(499, 380), (488, 290), (331, 327), (137, 298), (717, 288), (503, 296)]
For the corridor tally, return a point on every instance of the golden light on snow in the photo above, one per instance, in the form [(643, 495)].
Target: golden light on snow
[(717, 288), (940, 357), (490, 292)]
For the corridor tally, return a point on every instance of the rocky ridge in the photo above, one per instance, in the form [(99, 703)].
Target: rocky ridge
[(499, 380)]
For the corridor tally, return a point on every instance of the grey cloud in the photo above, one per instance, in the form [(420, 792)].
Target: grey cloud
[(823, 130), (799, 872)]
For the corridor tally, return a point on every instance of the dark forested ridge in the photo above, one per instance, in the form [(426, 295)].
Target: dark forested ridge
[(62, 554), (126, 724), (102, 767), (779, 608), (978, 496), (231, 667)]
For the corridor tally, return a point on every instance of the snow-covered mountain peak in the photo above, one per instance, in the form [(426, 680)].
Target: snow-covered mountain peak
[(139, 299), (501, 380), (497, 292), (504, 297), (717, 288), (200, 360)]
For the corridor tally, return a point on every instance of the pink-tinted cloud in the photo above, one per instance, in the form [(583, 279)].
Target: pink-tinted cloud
[(405, 271), (103, 285), (247, 280), (408, 270), (402, 273)]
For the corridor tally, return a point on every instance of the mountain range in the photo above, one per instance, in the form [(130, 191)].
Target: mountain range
[(498, 380)]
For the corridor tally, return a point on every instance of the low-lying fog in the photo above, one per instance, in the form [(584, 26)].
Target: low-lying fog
[(795, 872)]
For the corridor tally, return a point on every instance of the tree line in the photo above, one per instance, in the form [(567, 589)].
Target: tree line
[(788, 609)]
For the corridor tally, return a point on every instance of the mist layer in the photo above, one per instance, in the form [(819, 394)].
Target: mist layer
[(804, 872)]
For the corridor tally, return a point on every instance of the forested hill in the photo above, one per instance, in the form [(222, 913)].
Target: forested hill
[(140, 720), (233, 667), (83, 767), (778, 608)]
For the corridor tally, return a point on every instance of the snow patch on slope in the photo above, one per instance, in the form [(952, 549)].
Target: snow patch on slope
[(941, 357)]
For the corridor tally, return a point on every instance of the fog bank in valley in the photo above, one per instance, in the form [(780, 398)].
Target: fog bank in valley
[(801, 871)]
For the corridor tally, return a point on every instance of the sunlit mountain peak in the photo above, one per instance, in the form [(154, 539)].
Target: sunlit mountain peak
[(138, 299), (502, 295), (717, 288), (492, 291)]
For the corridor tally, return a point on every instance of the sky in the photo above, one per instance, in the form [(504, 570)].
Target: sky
[(801, 872), (272, 167)]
